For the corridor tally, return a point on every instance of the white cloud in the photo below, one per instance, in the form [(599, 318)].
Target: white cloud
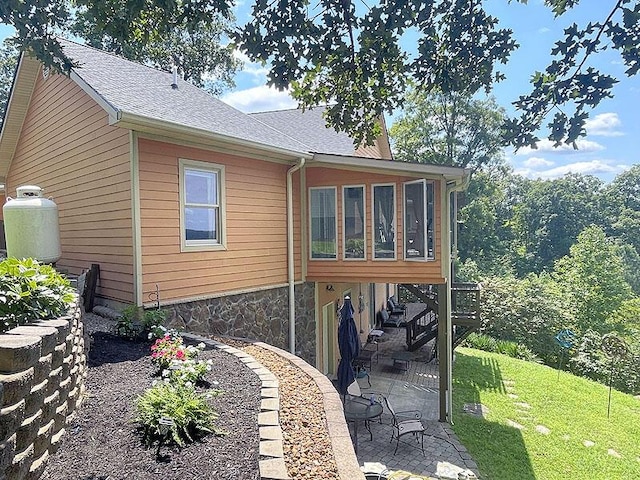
[(546, 145), (255, 69), (594, 167), (604, 124), (544, 30), (537, 162), (259, 99)]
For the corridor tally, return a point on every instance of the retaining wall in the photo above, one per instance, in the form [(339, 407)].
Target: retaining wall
[(42, 374)]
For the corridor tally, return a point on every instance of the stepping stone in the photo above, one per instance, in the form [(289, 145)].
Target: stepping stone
[(512, 396), (475, 409), (566, 438), (542, 430), (588, 443), (273, 469), (613, 453), (509, 382), (513, 424), (523, 405)]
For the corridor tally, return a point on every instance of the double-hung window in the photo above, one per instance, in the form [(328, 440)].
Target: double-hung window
[(201, 205), (418, 220), (323, 222)]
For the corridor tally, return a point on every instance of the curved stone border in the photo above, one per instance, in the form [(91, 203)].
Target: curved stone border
[(268, 418)]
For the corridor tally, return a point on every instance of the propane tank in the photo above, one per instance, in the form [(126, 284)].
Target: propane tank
[(31, 225)]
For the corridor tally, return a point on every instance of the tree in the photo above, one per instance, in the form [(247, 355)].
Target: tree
[(592, 277), (8, 61), (351, 56), (550, 215), (448, 129), (196, 50), (156, 32)]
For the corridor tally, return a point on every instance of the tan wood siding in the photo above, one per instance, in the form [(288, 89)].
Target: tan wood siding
[(67, 147), (375, 271), (256, 226)]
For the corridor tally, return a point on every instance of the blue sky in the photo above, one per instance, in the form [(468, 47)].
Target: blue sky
[(611, 143)]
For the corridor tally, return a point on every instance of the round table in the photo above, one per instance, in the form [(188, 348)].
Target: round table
[(357, 409)]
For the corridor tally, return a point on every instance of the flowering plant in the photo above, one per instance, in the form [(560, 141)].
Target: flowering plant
[(171, 347), (186, 372)]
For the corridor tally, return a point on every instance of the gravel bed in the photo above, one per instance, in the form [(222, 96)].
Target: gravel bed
[(102, 441), (308, 452)]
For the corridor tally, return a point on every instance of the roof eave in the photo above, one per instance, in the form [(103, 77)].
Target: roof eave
[(160, 127), (391, 166)]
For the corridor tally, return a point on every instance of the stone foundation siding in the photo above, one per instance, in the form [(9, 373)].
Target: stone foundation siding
[(262, 315), (42, 374)]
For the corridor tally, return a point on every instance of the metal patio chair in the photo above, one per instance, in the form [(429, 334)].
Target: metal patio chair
[(404, 423)]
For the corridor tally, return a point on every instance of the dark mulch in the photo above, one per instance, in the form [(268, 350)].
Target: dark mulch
[(102, 442)]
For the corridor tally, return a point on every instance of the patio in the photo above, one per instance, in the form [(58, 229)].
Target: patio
[(415, 388)]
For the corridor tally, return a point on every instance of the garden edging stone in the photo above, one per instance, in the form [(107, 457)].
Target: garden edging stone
[(271, 435)]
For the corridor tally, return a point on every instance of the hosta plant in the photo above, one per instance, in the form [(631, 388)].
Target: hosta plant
[(175, 413), (31, 291)]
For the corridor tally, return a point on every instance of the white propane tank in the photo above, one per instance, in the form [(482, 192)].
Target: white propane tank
[(31, 226)]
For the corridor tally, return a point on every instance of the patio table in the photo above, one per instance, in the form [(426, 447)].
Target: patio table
[(361, 409)]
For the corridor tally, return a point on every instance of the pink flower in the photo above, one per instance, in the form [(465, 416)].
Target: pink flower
[(180, 355)]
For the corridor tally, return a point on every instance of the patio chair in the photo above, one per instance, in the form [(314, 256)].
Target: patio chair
[(404, 423)]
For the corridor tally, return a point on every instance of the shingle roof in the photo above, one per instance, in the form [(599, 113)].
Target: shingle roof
[(310, 128), (140, 90)]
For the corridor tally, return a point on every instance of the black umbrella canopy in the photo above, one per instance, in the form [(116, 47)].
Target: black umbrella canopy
[(349, 345)]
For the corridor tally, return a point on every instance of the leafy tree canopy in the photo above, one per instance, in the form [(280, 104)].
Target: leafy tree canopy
[(351, 55), (448, 129), (8, 61), (156, 32)]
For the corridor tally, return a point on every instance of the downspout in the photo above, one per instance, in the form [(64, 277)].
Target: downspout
[(290, 259), (455, 187)]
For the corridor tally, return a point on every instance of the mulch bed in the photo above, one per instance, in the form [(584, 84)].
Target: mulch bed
[(102, 442)]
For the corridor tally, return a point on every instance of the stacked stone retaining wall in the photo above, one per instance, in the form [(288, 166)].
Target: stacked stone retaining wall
[(42, 375)]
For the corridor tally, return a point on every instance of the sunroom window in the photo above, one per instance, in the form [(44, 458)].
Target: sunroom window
[(322, 207), (354, 222), (418, 220), (201, 216), (384, 238)]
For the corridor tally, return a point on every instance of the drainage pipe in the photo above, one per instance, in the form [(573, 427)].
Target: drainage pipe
[(290, 259)]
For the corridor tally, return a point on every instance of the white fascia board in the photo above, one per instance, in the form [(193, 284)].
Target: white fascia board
[(152, 125), (99, 99), (452, 173)]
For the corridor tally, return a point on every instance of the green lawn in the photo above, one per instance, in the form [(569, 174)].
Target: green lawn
[(573, 409)]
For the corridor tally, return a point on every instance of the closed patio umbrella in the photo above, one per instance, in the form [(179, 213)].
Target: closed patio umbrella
[(349, 345)]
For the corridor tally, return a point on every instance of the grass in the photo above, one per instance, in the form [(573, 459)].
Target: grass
[(573, 409)]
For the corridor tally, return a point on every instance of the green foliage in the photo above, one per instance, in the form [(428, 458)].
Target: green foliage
[(486, 343), (8, 62), (187, 372), (171, 347), (481, 342), (31, 291), (448, 129), (591, 277), (548, 218), (528, 311), (190, 413), (135, 323)]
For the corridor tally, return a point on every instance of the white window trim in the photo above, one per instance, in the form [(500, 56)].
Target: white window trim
[(364, 213), (373, 223), (426, 257), (335, 200), (203, 245)]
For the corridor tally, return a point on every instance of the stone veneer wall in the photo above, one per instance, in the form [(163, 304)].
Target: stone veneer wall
[(262, 315), (42, 374)]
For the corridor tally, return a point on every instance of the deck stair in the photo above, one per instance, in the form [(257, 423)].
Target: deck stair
[(422, 312)]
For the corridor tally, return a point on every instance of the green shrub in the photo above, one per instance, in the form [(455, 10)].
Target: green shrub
[(135, 323), (179, 409), (508, 348), (481, 341), (31, 291)]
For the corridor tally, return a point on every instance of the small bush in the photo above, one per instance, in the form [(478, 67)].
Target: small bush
[(136, 323), (31, 291), (481, 341), (508, 348), (179, 409), (186, 372)]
